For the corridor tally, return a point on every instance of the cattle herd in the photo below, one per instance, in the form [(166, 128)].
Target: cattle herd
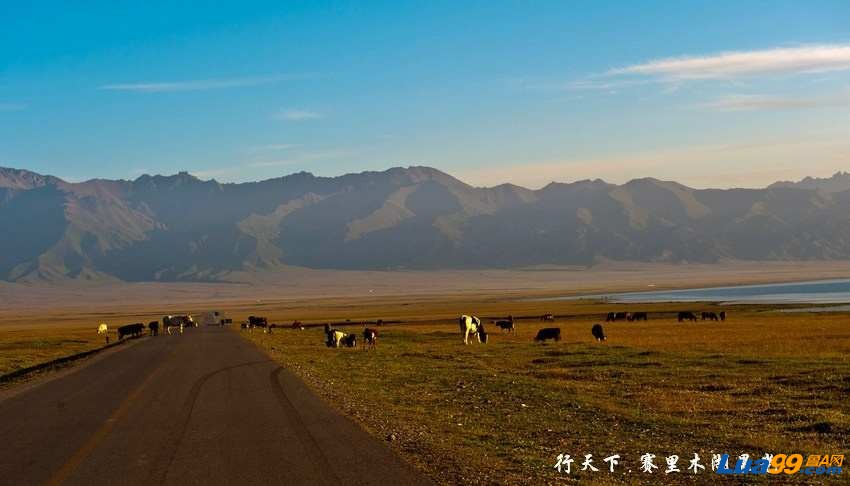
[(470, 327), (170, 324)]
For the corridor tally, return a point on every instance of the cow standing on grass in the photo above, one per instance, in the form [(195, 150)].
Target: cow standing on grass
[(333, 337), (103, 330), (472, 325), (598, 332), (553, 333), (506, 324), (370, 338)]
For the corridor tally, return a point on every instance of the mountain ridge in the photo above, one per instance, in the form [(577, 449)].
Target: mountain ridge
[(180, 227)]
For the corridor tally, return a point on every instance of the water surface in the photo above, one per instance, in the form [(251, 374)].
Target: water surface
[(815, 292)]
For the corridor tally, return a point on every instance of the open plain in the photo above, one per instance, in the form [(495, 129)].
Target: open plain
[(760, 382)]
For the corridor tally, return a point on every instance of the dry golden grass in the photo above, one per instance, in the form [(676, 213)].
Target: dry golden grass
[(22, 348), (761, 382)]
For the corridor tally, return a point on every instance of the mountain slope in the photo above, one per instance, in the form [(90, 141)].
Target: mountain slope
[(182, 228)]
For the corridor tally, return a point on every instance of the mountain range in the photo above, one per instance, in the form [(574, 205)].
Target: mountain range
[(181, 228)]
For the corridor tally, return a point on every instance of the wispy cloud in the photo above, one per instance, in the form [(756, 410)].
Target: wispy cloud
[(774, 103), (296, 159), (729, 65), (301, 158), (198, 84), (296, 114), (273, 147), (13, 106)]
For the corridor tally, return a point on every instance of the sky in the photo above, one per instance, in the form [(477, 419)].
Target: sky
[(708, 93)]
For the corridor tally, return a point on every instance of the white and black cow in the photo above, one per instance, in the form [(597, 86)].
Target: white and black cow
[(472, 325)]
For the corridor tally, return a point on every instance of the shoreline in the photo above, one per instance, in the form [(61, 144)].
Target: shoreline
[(296, 285)]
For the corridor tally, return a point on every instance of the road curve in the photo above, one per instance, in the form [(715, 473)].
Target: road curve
[(206, 407)]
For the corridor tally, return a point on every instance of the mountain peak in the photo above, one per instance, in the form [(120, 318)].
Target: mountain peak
[(23, 179)]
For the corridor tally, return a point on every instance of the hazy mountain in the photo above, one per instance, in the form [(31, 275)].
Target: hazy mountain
[(839, 182), (183, 228)]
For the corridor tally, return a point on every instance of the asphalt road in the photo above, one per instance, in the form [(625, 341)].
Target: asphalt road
[(206, 407)]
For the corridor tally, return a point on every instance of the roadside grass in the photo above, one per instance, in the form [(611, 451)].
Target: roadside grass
[(21, 348), (502, 412)]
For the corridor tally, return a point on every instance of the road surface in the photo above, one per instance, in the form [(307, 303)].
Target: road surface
[(206, 407)]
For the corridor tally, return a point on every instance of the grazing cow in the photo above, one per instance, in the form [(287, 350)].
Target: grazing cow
[(597, 332), (173, 324), (472, 325), (153, 327), (638, 316), (547, 318), (617, 316), (687, 316), (254, 321), (507, 324), (297, 325), (370, 337), (710, 316), (722, 315), (349, 341), (334, 337), (548, 333), (134, 330), (610, 317)]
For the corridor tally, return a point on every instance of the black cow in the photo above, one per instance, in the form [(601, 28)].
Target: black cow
[(507, 324), (597, 332), (254, 321), (370, 337), (134, 330), (639, 316), (710, 316), (687, 316), (547, 318), (722, 315), (349, 341), (153, 326), (548, 333)]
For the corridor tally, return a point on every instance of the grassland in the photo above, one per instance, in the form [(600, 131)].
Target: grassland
[(21, 348), (763, 381), (500, 413)]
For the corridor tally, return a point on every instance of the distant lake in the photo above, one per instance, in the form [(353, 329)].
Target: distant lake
[(817, 292)]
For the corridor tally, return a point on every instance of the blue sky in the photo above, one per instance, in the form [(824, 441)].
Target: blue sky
[(710, 93)]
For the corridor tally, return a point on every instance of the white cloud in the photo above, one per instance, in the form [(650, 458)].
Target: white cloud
[(295, 114), (774, 103), (728, 65), (273, 147), (244, 169), (197, 84)]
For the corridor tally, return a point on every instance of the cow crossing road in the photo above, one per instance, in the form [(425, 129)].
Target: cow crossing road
[(206, 407)]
